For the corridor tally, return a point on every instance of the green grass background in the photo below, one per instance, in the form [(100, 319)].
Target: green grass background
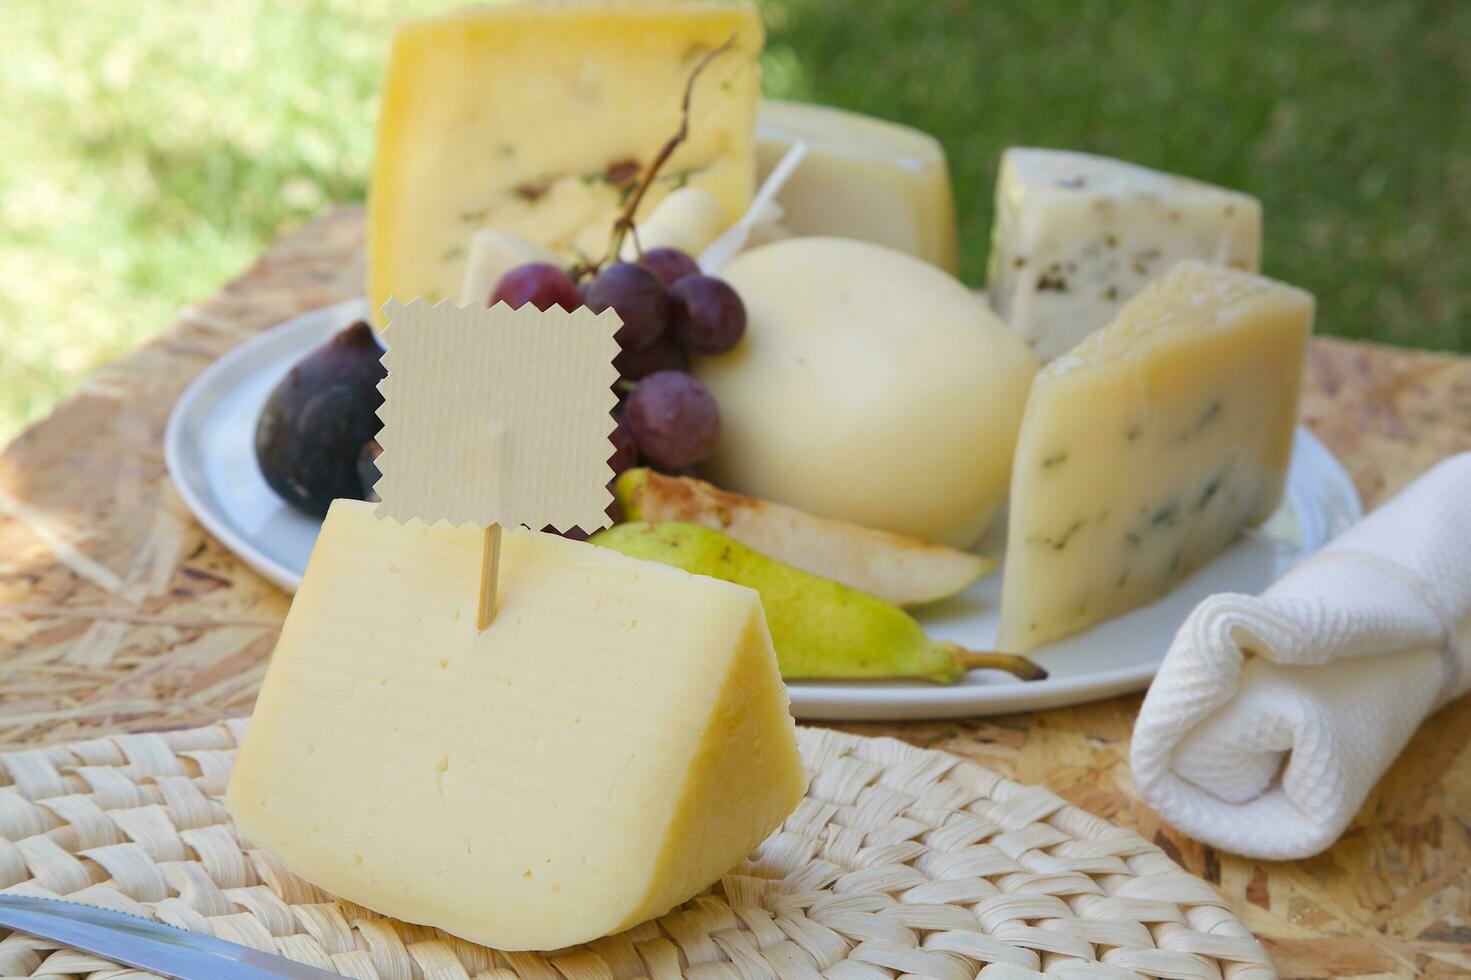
[(152, 149)]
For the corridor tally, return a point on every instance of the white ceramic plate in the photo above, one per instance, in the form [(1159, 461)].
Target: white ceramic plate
[(209, 450)]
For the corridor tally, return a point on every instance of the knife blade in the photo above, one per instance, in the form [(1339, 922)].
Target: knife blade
[(146, 944)]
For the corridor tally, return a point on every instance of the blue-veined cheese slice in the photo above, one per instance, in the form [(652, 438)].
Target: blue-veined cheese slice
[(1146, 449), (1077, 235)]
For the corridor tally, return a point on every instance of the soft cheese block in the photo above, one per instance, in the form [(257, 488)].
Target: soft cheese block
[(539, 118), (871, 388), (611, 744), (862, 178), (1077, 235), (1147, 448)]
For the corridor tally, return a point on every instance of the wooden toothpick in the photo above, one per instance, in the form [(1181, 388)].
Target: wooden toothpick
[(490, 573)]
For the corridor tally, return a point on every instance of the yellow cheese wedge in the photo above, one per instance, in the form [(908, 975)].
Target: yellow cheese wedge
[(611, 744), (1147, 448), (537, 119), (862, 178)]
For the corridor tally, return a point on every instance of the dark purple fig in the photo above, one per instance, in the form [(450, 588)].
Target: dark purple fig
[(316, 422), (368, 470)]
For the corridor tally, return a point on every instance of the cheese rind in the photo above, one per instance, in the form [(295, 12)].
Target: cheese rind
[(612, 743), (1077, 235), (1145, 450), (538, 118), (863, 178)]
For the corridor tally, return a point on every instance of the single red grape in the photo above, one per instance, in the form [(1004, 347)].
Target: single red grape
[(541, 284), (707, 315), (638, 297), (571, 534), (662, 355), (674, 419), (625, 449), (669, 264)]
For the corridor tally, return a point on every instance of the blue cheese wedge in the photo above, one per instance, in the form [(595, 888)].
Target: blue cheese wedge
[(1146, 449), (1077, 235)]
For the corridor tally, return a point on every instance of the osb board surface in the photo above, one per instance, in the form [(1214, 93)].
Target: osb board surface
[(118, 613)]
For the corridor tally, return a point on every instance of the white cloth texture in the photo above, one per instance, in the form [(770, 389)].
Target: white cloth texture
[(1273, 716)]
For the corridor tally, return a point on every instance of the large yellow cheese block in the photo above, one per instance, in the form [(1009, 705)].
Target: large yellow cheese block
[(538, 118), (862, 178), (1077, 235), (612, 743), (1147, 448)]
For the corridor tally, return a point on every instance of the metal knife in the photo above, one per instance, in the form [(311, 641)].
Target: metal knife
[(147, 945)]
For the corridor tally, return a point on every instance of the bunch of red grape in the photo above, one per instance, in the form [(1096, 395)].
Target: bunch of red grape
[(669, 310)]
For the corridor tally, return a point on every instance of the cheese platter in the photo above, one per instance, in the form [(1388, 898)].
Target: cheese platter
[(207, 447), (666, 420)]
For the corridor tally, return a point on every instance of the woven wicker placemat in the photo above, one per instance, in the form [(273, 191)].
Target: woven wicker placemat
[(899, 862)]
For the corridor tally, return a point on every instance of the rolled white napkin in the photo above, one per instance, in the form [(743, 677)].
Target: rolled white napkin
[(1273, 716)]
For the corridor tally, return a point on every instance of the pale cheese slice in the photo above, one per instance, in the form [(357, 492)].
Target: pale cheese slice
[(492, 255), (1077, 235), (688, 219), (864, 178), (616, 740), (1149, 447)]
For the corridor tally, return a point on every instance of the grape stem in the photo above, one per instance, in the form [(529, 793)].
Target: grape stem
[(624, 224)]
